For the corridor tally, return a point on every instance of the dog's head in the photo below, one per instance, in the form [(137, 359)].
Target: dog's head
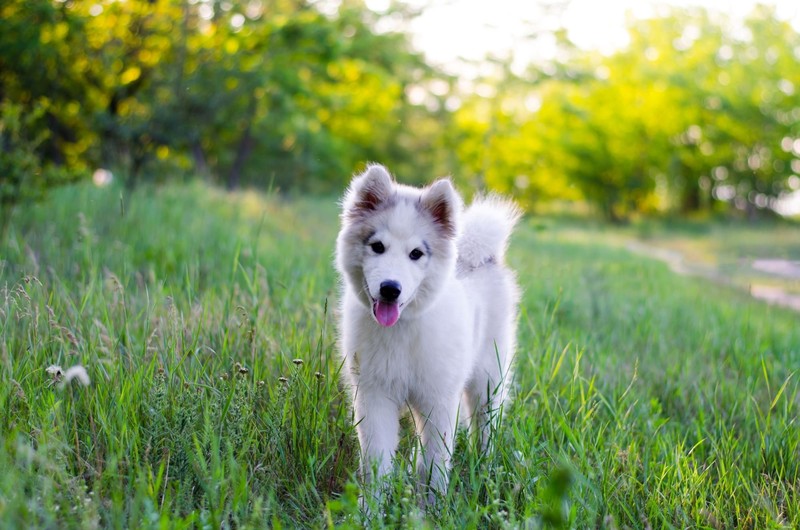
[(397, 243)]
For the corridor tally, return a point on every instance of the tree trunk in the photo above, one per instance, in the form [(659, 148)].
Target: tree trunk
[(242, 153), (199, 156), (690, 197), (243, 149)]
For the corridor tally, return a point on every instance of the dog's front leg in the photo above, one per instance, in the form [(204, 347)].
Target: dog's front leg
[(437, 429), (378, 428)]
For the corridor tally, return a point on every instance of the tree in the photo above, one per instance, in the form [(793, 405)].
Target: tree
[(692, 114), (41, 70), (245, 92), (23, 174)]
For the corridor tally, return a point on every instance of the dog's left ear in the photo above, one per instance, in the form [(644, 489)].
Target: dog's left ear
[(443, 203)]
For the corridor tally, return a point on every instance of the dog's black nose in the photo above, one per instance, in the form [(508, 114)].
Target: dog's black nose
[(390, 290)]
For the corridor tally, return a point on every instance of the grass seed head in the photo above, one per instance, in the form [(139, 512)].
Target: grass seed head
[(18, 392), (241, 369)]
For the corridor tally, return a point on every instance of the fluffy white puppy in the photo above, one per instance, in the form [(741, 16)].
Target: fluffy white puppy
[(428, 315)]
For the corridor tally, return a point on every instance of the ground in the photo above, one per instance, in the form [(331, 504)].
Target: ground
[(206, 324)]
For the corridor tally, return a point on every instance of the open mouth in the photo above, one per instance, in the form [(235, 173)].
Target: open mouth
[(386, 313)]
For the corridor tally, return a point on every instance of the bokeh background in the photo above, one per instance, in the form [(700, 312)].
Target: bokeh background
[(621, 108), (169, 176)]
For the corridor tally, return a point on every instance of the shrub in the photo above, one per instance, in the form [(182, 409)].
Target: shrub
[(24, 176)]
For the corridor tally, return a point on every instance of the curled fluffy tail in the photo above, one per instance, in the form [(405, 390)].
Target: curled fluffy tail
[(486, 227)]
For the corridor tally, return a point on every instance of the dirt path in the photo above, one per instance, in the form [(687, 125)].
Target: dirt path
[(770, 294)]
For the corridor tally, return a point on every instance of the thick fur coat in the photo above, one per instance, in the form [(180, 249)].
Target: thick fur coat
[(427, 317)]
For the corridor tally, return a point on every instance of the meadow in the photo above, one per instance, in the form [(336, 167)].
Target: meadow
[(206, 324)]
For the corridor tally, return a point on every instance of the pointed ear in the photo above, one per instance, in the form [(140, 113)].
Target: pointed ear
[(442, 202), (368, 191)]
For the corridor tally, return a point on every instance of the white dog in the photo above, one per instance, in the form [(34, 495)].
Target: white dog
[(428, 315)]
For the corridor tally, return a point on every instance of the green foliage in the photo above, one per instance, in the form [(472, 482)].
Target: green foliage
[(269, 93), (641, 398), (42, 67), (698, 113), (23, 175), (695, 113)]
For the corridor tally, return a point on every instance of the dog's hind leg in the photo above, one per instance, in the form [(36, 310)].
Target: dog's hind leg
[(485, 394)]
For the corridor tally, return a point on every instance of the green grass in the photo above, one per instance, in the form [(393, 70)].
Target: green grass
[(206, 322)]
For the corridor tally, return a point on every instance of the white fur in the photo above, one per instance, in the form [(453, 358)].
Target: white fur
[(455, 337)]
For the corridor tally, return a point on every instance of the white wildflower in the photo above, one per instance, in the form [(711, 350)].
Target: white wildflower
[(55, 372), (77, 372)]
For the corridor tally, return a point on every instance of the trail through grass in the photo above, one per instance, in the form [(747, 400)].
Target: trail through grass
[(762, 259), (206, 324)]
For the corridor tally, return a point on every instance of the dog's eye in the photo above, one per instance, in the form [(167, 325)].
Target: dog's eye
[(415, 254), (377, 247)]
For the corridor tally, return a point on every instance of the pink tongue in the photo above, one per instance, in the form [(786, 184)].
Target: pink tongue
[(386, 313)]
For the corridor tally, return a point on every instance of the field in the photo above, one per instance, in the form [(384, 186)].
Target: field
[(206, 324)]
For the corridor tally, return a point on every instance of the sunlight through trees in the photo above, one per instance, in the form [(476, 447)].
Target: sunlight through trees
[(697, 113)]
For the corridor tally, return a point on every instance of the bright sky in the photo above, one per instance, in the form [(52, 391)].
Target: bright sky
[(450, 29)]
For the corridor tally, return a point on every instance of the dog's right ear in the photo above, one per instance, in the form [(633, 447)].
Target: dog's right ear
[(368, 191)]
